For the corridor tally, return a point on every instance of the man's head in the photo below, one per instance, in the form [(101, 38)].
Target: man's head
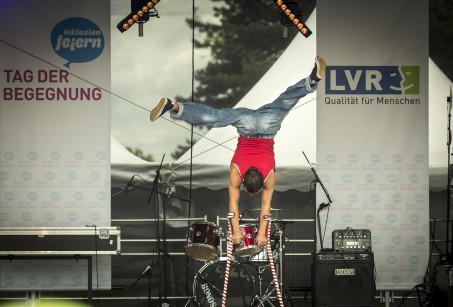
[(253, 180)]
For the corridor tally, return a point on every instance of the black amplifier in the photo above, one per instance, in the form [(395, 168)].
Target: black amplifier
[(351, 240), (343, 256), (343, 279)]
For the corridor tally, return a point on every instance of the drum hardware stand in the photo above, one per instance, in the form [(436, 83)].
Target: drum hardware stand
[(281, 255), (272, 263), (221, 237), (228, 261), (260, 270), (264, 298)]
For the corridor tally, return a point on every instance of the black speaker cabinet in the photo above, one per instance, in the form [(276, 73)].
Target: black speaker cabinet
[(343, 279)]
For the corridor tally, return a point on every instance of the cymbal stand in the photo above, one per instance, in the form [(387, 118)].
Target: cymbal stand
[(281, 227), (281, 251), (260, 270), (264, 300)]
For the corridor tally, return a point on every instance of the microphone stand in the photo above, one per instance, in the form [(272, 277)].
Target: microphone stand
[(321, 206), (449, 105), (155, 188), (218, 291), (147, 271)]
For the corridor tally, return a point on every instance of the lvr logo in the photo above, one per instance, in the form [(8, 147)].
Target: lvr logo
[(374, 80)]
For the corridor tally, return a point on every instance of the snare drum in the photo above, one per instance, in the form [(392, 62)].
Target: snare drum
[(203, 241), (262, 258), (247, 247)]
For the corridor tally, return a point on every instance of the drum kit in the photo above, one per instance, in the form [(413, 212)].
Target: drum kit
[(249, 264)]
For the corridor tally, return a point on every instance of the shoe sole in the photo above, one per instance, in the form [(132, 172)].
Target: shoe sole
[(157, 111), (321, 64)]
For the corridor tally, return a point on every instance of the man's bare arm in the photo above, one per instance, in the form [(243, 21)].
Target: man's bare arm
[(234, 195), (266, 200)]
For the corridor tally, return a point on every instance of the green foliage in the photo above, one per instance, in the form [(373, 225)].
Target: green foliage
[(139, 153), (248, 40), (244, 44), (181, 149), (441, 34)]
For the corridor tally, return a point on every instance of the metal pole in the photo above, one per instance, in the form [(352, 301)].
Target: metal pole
[(449, 104)]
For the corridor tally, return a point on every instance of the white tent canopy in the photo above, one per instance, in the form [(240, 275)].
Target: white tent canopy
[(211, 155)]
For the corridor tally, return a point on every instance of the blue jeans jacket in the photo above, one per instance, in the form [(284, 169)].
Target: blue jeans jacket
[(265, 120)]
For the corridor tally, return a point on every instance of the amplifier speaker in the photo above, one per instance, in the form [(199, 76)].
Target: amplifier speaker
[(343, 279)]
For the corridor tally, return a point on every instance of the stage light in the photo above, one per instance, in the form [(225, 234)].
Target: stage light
[(141, 10), (290, 15)]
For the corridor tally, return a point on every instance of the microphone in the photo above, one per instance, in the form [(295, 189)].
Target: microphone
[(323, 205), (146, 271), (128, 185)]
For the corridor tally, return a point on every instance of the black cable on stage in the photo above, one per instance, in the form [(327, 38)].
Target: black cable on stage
[(171, 121), (107, 91), (217, 144), (193, 99)]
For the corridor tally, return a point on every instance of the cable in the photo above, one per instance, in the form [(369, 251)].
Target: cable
[(173, 122), (71, 74), (96, 260), (96, 265), (107, 91), (217, 144), (191, 135), (250, 214)]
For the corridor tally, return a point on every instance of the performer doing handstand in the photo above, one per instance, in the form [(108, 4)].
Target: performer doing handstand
[(253, 162)]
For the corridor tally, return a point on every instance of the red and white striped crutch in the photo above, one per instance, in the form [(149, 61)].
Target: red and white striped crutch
[(271, 262), (229, 253)]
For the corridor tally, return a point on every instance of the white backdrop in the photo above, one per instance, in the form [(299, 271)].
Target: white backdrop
[(54, 128), (372, 132)]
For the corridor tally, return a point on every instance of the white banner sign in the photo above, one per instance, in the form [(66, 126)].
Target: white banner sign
[(54, 126), (372, 130)]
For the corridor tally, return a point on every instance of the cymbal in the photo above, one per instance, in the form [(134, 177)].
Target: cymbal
[(272, 209)]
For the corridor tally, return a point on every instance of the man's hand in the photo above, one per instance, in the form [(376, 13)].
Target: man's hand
[(236, 237), (261, 240)]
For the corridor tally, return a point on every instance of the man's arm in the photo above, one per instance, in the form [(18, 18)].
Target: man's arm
[(234, 195), (266, 199)]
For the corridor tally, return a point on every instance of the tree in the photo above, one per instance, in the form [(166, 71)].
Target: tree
[(139, 153), (244, 45), (180, 150), (248, 40), (441, 34)]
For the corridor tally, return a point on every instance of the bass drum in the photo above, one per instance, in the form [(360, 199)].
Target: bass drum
[(208, 284)]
